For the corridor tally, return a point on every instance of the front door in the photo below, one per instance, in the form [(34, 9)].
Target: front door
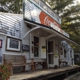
[(50, 54)]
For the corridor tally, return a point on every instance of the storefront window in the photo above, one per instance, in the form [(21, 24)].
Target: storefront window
[(50, 46), (36, 46)]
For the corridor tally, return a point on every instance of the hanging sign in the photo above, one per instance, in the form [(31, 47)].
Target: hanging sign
[(25, 48)]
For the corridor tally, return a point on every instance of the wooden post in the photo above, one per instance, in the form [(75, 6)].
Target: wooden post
[(11, 67), (32, 65), (24, 63)]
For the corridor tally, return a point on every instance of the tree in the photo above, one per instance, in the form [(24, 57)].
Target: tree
[(13, 6), (69, 11)]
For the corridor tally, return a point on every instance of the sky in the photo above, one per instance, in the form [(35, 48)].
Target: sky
[(78, 1)]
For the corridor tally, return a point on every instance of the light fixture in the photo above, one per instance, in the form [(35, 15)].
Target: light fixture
[(32, 42)]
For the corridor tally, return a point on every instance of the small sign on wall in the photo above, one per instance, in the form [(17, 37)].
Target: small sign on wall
[(55, 55), (0, 43), (25, 47), (43, 49)]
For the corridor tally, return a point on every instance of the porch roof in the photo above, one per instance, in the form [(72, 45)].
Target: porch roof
[(60, 36)]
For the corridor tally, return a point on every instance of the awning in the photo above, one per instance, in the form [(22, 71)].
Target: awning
[(60, 36)]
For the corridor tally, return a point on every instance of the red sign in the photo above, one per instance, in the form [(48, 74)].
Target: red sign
[(47, 20), (0, 43)]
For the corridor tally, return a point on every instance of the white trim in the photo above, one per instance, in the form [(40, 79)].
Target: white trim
[(50, 65), (31, 31), (3, 34)]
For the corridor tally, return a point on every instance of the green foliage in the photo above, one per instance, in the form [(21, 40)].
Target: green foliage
[(5, 72), (13, 6)]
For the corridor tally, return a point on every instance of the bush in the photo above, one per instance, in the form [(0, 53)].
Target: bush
[(5, 72)]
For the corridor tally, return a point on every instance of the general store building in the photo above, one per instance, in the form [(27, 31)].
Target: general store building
[(35, 34)]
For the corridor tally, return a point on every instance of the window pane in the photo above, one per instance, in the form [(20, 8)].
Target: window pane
[(50, 57), (36, 46), (36, 41), (14, 44), (50, 46)]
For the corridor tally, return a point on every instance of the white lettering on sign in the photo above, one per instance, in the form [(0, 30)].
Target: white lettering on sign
[(54, 26), (47, 21)]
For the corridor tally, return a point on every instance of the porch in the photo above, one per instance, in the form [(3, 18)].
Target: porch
[(45, 74), (46, 44)]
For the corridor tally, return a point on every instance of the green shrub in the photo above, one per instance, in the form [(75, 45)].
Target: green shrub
[(5, 72)]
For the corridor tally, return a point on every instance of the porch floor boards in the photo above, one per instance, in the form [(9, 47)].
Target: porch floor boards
[(36, 74)]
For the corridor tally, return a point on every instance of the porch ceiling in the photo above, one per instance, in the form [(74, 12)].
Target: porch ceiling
[(60, 37), (40, 32)]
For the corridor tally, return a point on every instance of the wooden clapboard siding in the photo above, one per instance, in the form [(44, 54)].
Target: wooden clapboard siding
[(11, 24)]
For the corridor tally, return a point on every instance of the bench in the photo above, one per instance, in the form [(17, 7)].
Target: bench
[(17, 60)]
